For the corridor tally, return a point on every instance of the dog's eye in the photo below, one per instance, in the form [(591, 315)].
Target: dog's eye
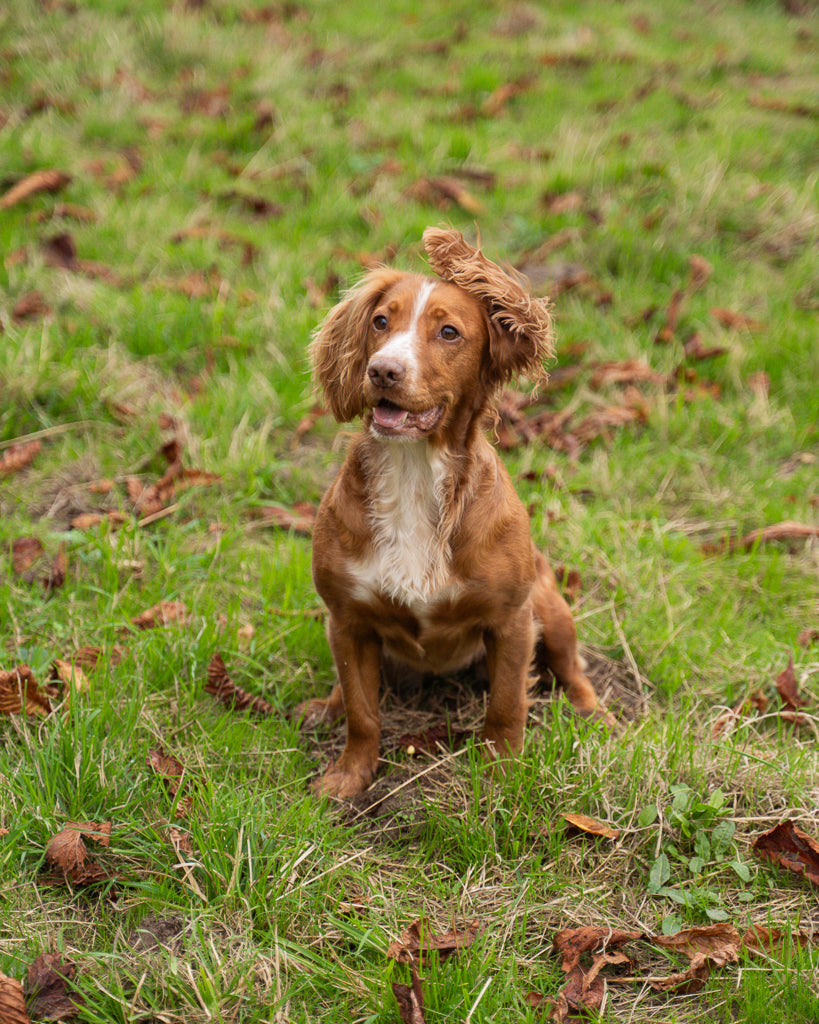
[(380, 323), (449, 333)]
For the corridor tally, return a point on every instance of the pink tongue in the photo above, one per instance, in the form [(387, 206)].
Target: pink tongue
[(389, 416)]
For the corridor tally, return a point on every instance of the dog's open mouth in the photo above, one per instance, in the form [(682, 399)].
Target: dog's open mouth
[(391, 419)]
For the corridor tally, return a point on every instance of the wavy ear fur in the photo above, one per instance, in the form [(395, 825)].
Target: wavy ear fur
[(338, 350), (521, 334)]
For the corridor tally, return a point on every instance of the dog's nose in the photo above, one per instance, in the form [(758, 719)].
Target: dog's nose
[(386, 373)]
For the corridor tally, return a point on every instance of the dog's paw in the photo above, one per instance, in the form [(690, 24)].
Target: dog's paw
[(341, 784)]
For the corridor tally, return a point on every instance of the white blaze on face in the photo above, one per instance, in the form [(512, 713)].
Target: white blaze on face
[(404, 345)]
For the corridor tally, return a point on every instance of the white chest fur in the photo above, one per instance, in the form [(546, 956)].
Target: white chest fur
[(410, 557)]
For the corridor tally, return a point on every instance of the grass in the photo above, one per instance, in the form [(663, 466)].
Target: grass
[(233, 165)]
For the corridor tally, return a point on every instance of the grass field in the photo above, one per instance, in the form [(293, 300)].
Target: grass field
[(221, 170)]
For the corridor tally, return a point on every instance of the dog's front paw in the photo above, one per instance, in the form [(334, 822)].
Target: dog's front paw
[(341, 782)]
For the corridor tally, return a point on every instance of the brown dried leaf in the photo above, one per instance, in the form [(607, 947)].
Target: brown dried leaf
[(16, 456), (68, 853), (88, 657), (596, 828), (700, 271), (19, 691), (756, 700), (12, 1002), (47, 180), (719, 942), (30, 306), (443, 190), (788, 688), (684, 982), (694, 349), (181, 842), (162, 614), (57, 570), (418, 941), (227, 692), (807, 637), (761, 940), (47, 996), (737, 321), (627, 371), (672, 318), (300, 518), (88, 520), (497, 100), (410, 1000), (571, 943), (24, 553), (70, 675), (599, 423), (784, 531), (787, 845)]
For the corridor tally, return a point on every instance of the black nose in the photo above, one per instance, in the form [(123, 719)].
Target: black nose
[(384, 372)]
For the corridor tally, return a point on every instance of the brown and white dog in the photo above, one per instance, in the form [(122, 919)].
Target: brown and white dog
[(421, 548)]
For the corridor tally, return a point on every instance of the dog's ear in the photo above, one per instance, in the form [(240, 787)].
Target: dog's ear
[(338, 350), (521, 334)]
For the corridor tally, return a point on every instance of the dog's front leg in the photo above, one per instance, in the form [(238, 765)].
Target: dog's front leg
[(508, 657), (358, 663)]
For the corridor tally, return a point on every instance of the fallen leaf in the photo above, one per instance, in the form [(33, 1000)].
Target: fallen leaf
[(171, 770), (762, 940), (684, 982), (695, 349), (570, 582), (68, 853), (410, 1000), (756, 700), (30, 306), (787, 845), (571, 943), (700, 270), (19, 691), (47, 180), (497, 100), (592, 826), (672, 317), (627, 371), (12, 1002), (443, 190), (181, 842), (88, 520), (719, 942), (24, 553), (47, 996), (227, 692), (780, 105), (71, 675), (300, 518), (784, 531), (807, 637), (599, 423), (418, 941), (162, 614), (788, 688), (16, 456), (57, 570), (88, 657), (737, 321)]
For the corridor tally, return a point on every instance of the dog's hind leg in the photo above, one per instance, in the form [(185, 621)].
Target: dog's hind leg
[(556, 645)]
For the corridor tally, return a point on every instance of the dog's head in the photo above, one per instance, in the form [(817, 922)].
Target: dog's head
[(413, 353)]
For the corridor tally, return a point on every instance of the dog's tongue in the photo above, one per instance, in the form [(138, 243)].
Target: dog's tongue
[(390, 416)]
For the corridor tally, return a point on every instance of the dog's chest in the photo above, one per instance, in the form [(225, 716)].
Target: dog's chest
[(409, 557)]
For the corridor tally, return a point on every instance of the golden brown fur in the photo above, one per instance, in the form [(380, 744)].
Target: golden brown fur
[(421, 550)]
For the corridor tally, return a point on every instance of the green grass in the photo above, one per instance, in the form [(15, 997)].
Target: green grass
[(676, 132)]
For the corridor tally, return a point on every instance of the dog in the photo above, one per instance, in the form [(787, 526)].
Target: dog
[(422, 550)]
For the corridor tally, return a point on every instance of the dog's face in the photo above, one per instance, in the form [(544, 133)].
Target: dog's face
[(426, 343), (413, 354)]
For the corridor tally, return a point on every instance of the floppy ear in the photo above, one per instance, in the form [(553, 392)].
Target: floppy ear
[(521, 334), (338, 350)]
